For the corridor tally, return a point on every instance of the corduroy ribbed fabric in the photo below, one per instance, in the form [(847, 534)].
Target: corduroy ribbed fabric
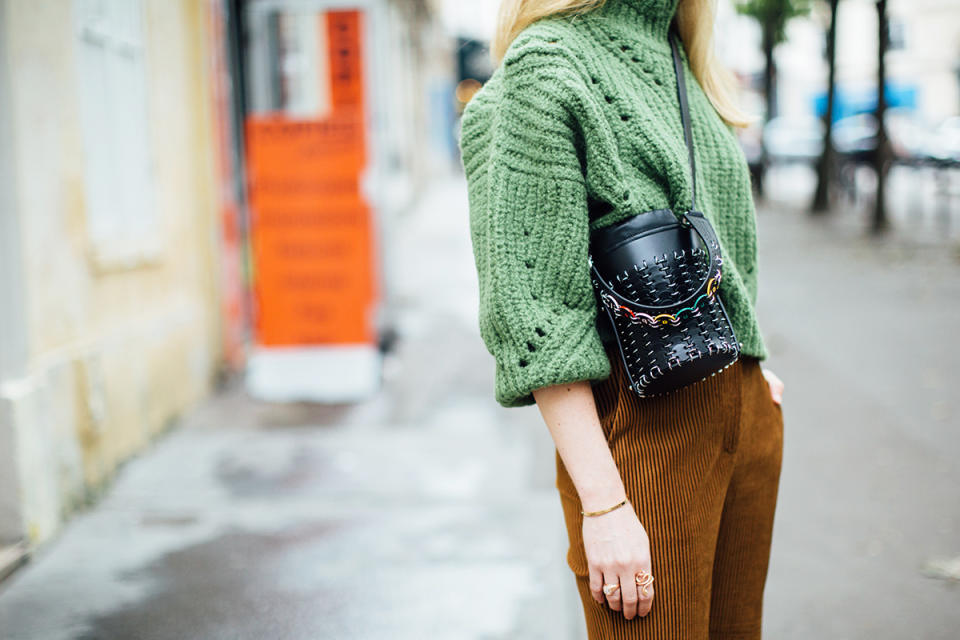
[(577, 129), (701, 467)]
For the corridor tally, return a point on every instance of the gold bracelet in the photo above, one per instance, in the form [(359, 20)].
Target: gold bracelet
[(597, 513)]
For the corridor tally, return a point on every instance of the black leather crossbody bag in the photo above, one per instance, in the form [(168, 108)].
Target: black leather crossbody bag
[(656, 276)]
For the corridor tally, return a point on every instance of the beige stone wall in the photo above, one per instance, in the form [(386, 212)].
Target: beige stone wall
[(115, 351)]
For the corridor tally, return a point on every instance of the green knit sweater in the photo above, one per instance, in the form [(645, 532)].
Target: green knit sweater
[(578, 128)]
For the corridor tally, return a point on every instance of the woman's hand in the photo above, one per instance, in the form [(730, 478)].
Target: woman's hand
[(617, 547), (776, 385), (615, 542)]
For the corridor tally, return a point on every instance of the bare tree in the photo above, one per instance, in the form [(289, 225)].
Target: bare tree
[(882, 154), (827, 163), (773, 16)]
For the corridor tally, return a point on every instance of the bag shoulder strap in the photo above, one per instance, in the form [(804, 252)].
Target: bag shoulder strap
[(692, 218), (684, 115)]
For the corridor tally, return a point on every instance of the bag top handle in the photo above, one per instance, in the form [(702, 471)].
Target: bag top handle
[(704, 229)]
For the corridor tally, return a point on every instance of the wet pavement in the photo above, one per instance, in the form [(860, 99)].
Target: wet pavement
[(430, 512)]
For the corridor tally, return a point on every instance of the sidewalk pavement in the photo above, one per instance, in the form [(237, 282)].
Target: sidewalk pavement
[(430, 512)]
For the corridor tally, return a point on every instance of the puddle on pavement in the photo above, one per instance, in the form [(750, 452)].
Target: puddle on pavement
[(246, 480), (231, 586)]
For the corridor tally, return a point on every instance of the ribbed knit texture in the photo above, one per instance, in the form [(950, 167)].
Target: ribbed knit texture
[(578, 128)]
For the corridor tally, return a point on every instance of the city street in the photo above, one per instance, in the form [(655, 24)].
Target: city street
[(431, 512)]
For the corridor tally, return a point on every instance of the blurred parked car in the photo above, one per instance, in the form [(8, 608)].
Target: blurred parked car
[(911, 138), (910, 135), (944, 144), (855, 137), (793, 139)]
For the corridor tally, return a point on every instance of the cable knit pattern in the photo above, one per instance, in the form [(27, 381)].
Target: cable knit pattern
[(578, 128)]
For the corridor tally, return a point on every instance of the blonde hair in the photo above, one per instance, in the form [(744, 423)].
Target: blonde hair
[(694, 19)]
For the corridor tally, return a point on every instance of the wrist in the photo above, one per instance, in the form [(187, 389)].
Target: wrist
[(601, 498), (600, 512)]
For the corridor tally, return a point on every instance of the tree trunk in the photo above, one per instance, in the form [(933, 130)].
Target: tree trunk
[(881, 156), (769, 71), (826, 164), (769, 91)]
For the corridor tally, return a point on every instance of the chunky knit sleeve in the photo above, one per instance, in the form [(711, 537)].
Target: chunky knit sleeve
[(529, 224)]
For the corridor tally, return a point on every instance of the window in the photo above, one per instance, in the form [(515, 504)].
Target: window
[(112, 84)]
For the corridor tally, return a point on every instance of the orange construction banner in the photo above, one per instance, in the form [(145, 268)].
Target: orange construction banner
[(312, 234)]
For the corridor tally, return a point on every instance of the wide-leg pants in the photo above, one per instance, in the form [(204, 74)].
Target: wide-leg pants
[(701, 467)]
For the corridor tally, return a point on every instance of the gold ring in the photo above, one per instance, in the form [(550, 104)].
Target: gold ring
[(643, 580), (610, 588)]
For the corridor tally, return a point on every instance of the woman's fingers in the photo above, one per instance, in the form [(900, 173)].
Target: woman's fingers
[(629, 597), (596, 584), (646, 596), (614, 599)]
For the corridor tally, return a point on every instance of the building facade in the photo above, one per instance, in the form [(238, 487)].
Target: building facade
[(126, 274), (109, 318)]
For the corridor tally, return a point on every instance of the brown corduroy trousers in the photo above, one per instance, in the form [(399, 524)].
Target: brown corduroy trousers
[(701, 467)]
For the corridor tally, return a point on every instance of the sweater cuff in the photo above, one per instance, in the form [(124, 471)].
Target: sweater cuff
[(570, 350)]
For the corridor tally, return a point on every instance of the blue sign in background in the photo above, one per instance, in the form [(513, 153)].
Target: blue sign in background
[(849, 102)]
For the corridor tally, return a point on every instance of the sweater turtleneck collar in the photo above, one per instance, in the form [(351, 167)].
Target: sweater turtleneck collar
[(649, 17)]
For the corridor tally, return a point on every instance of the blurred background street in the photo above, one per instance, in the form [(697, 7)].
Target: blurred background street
[(242, 388), (429, 511)]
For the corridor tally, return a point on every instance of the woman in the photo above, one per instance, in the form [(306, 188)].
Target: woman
[(578, 128)]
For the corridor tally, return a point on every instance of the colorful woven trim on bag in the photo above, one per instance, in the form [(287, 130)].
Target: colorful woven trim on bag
[(663, 318)]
